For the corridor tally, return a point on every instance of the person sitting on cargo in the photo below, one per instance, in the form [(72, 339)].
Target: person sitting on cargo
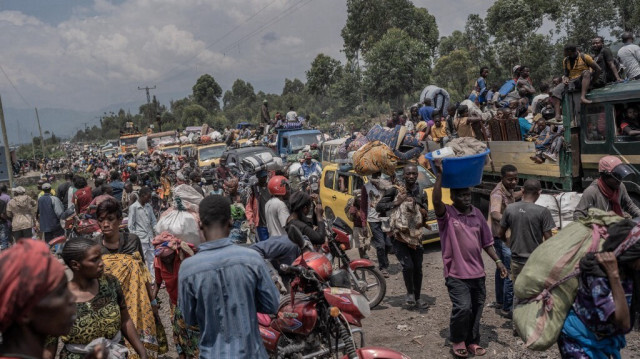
[(462, 123), (310, 167), (630, 126), (292, 116), (608, 193), (525, 83), (426, 110), (603, 311), (542, 136), (439, 133), (579, 70)]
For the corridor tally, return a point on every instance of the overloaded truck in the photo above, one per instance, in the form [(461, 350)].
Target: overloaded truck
[(592, 131), (292, 141)]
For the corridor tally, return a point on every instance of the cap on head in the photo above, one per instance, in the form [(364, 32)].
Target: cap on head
[(18, 190), (516, 68), (608, 163), (46, 186)]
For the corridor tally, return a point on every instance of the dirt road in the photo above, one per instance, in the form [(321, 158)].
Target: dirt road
[(423, 334)]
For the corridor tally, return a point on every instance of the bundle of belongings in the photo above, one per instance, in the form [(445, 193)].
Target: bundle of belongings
[(546, 288), (182, 222), (466, 146)]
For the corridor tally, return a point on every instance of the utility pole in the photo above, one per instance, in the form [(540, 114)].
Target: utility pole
[(7, 150), (41, 138), (147, 88), (33, 145)]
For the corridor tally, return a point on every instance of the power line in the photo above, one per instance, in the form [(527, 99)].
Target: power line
[(220, 38), (290, 10), (14, 87)]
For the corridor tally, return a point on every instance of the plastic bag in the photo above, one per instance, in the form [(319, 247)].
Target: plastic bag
[(181, 223), (190, 197)]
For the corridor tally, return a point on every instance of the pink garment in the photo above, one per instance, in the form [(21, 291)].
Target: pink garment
[(462, 238)]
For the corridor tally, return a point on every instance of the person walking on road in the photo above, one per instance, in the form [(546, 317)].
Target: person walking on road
[(379, 239), (229, 328), (141, 222), (530, 225), (21, 209), (501, 196), (408, 245), (464, 234), (276, 210), (255, 209), (49, 211)]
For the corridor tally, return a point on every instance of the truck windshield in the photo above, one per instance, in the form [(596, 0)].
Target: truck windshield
[(208, 153), (171, 150), (299, 141), (130, 141)]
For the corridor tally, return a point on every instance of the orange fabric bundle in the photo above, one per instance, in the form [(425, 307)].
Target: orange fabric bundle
[(375, 157)]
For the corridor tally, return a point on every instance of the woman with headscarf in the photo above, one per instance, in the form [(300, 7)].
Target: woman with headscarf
[(123, 258), (21, 209), (608, 297), (170, 251), (300, 207), (34, 299), (102, 315)]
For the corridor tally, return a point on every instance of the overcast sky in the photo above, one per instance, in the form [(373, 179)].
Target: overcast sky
[(85, 55)]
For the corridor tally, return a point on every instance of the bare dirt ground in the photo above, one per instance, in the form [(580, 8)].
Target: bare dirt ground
[(423, 334)]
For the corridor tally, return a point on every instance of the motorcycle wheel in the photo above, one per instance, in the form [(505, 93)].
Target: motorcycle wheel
[(375, 285)]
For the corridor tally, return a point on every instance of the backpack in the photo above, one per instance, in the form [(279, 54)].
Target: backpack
[(508, 86)]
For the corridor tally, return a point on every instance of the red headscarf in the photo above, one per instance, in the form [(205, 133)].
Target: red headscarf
[(612, 195), (28, 272)]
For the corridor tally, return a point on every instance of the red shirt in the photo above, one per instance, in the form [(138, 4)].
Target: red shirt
[(82, 198), (170, 279)]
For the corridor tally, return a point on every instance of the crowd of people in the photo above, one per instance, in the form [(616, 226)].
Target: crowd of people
[(216, 288)]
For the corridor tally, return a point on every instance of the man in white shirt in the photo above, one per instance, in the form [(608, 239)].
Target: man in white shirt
[(141, 222), (629, 56), (292, 116), (276, 210)]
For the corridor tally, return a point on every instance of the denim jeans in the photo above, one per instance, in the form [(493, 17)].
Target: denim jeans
[(504, 286), (382, 243), (467, 300), (4, 235), (262, 234)]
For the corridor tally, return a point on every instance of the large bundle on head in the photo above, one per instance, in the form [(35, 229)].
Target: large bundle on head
[(190, 197), (547, 286), (439, 97), (182, 222), (375, 157)]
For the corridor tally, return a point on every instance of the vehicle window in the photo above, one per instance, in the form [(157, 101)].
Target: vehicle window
[(326, 151), (627, 117), (596, 123), (342, 184), (328, 179), (299, 141), (356, 184), (211, 152)]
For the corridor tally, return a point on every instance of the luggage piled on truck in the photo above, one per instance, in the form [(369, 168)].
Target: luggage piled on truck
[(547, 286), (375, 157)]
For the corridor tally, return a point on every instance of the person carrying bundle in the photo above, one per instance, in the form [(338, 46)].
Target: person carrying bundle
[(604, 309)]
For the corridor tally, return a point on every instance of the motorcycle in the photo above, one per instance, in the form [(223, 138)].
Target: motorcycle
[(320, 318), (364, 276)]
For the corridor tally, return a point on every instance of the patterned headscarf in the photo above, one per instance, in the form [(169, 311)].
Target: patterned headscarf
[(166, 244), (28, 272)]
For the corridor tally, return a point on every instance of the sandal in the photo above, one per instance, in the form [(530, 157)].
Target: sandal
[(460, 350), (476, 350)]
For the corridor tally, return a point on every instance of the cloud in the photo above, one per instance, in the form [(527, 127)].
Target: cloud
[(105, 49)]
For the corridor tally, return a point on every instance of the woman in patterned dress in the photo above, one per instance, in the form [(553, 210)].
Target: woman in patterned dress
[(102, 316), (122, 256)]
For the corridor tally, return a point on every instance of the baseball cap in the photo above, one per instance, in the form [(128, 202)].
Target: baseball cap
[(515, 68), (46, 186), (18, 189)]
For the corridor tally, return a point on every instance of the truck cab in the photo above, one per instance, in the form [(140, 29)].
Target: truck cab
[(592, 131), (210, 154), (291, 141)]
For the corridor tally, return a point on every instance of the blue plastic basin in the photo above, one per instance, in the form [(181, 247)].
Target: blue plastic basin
[(461, 172)]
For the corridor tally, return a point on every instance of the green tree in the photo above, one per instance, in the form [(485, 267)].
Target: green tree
[(369, 20), (294, 87), (456, 73), (582, 20), (207, 93), (324, 72), (396, 65), (194, 115)]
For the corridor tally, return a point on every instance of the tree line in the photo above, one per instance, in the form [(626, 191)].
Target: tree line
[(393, 50)]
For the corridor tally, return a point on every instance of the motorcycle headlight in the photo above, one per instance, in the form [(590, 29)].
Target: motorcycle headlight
[(361, 303)]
